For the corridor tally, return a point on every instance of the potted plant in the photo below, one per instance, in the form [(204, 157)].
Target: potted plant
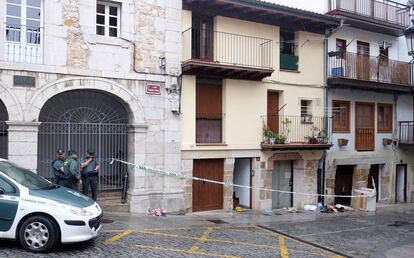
[(343, 141), (313, 139), (270, 136), (280, 139), (323, 137), (386, 141)]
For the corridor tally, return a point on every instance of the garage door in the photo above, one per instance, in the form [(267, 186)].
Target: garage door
[(208, 196)]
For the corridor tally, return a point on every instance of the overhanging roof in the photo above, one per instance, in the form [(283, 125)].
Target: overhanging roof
[(265, 12)]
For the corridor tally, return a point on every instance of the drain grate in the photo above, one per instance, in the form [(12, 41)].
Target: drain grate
[(106, 221), (217, 221), (399, 223)]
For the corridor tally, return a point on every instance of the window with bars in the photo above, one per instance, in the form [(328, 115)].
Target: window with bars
[(385, 118), (306, 110), (341, 116), (108, 19)]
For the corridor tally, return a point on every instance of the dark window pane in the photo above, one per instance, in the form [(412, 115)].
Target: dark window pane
[(100, 19), (33, 36), (100, 8), (13, 34), (33, 13), (113, 21), (100, 30), (113, 32), (34, 3), (14, 10), (113, 10)]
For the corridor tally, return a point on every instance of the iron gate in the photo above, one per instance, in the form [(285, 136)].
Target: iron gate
[(107, 140), (4, 142)]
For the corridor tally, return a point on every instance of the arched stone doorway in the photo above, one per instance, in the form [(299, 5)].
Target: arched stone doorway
[(83, 119), (4, 142)]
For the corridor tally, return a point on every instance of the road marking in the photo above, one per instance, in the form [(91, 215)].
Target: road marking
[(113, 231), (201, 240), (206, 240), (185, 251), (119, 236), (283, 249)]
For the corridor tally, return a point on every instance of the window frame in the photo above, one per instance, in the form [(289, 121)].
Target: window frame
[(107, 17), (389, 127), (342, 53), (308, 112), (347, 129)]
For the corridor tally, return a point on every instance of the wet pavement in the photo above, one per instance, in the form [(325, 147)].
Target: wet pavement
[(386, 233)]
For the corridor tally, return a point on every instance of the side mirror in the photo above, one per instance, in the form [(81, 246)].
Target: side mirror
[(2, 191)]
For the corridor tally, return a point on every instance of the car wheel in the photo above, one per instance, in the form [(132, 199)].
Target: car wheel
[(38, 234)]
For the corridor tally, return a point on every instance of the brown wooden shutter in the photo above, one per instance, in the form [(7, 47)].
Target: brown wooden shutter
[(273, 111)]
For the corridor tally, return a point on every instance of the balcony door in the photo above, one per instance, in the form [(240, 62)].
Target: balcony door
[(202, 38), (364, 126), (363, 65), (273, 111)]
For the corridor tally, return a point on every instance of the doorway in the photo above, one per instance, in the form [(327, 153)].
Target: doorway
[(401, 184), (242, 176), (363, 69), (273, 111), (373, 178), (365, 126), (208, 196), (282, 179), (343, 184), (202, 38)]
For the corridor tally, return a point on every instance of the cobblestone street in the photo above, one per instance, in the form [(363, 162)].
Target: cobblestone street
[(357, 234)]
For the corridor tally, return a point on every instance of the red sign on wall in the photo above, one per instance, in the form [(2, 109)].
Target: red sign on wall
[(153, 89)]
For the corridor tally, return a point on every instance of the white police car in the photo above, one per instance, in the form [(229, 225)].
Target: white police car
[(40, 214)]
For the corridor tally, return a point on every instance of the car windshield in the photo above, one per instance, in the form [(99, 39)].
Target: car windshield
[(24, 176)]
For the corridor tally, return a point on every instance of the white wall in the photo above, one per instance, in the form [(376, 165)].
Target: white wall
[(397, 51), (242, 177)]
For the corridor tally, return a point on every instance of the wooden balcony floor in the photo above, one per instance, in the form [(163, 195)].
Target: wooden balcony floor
[(219, 70), (296, 146)]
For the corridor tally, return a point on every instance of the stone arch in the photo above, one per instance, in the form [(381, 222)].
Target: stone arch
[(131, 102), (12, 105)]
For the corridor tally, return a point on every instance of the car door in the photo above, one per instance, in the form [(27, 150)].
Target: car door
[(9, 201)]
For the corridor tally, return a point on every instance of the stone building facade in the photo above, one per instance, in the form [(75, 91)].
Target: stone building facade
[(126, 50)]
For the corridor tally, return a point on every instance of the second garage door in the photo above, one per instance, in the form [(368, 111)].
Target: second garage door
[(208, 196)]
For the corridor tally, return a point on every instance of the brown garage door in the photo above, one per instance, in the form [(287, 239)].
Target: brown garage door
[(208, 196)]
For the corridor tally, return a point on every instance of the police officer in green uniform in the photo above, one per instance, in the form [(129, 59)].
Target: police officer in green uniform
[(74, 169), (90, 170), (61, 171)]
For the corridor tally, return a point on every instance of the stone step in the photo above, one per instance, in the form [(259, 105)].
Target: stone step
[(113, 206)]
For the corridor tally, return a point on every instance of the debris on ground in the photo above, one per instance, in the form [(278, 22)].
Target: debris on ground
[(309, 207), (157, 212), (267, 212), (292, 210), (240, 209)]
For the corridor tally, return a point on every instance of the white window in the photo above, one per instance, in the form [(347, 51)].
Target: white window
[(306, 110), (108, 19), (23, 31)]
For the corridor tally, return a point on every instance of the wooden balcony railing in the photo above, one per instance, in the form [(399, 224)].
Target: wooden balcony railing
[(406, 132), (209, 128), (369, 68), (365, 139), (381, 10), (227, 48)]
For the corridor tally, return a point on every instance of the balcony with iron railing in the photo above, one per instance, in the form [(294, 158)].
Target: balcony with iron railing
[(381, 16), (406, 132), (226, 55), (23, 44), (346, 69), (282, 132)]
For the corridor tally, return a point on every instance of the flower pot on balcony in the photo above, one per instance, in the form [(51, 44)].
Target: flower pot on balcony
[(343, 142), (386, 141), (313, 140), (272, 140)]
